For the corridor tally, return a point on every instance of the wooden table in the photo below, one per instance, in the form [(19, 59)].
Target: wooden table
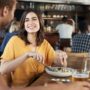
[(72, 62), (46, 78)]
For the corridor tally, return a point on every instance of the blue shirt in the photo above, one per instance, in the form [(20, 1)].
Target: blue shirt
[(5, 41), (81, 43)]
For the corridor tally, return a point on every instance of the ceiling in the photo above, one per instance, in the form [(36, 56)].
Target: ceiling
[(85, 2)]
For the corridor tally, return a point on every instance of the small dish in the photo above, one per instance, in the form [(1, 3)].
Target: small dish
[(60, 71)]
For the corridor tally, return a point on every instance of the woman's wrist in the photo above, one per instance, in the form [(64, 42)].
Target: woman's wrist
[(26, 55)]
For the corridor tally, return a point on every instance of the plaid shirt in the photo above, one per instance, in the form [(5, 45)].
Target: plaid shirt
[(81, 43)]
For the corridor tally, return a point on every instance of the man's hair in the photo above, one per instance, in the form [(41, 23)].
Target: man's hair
[(83, 26), (8, 3)]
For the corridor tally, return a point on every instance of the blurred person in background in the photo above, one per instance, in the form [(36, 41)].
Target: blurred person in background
[(81, 41), (65, 30)]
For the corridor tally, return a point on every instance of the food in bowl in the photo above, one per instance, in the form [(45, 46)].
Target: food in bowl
[(59, 71)]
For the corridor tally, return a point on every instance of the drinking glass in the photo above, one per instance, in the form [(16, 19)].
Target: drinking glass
[(80, 76), (82, 73)]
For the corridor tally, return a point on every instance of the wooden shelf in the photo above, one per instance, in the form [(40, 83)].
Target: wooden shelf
[(51, 18)]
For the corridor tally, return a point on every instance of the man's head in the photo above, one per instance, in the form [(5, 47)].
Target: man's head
[(7, 8)]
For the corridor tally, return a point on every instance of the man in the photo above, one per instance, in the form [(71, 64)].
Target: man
[(65, 30), (7, 8), (81, 41)]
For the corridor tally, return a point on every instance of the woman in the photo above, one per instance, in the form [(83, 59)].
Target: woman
[(26, 55)]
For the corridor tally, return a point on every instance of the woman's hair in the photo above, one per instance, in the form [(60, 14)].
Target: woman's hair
[(8, 3), (23, 33)]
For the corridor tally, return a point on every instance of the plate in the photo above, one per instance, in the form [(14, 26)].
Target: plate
[(59, 71)]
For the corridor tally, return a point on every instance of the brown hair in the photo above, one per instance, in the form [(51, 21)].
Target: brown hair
[(83, 26), (8, 3), (23, 33), (14, 27)]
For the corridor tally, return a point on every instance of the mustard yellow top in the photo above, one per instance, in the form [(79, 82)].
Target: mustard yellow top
[(31, 67)]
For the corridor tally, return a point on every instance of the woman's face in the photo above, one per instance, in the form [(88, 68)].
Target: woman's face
[(31, 23)]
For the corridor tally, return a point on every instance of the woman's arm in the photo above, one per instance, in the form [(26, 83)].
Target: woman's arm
[(9, 66)]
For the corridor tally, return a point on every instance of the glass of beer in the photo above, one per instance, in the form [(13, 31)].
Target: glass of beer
[(81, 64), (80, 76)]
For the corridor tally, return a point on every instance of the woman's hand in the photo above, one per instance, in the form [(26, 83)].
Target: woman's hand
[(61, 58), (36, 56)]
